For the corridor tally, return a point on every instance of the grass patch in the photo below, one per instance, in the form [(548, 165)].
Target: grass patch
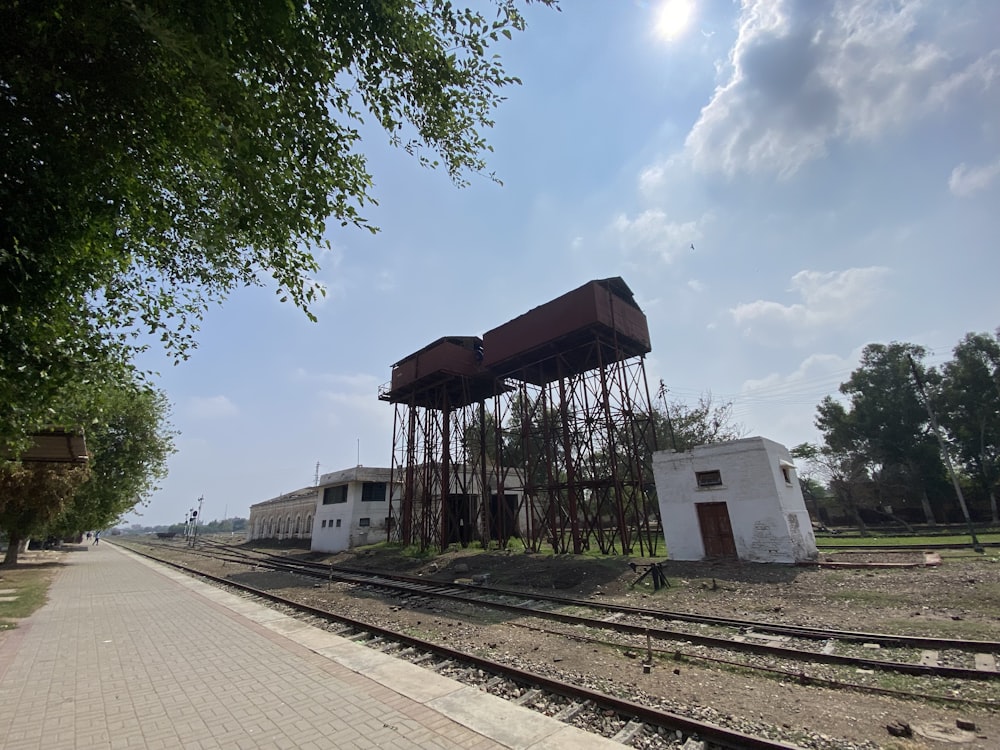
[(841, 542), (30, 584)]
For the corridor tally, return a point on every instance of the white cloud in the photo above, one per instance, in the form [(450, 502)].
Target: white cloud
[(331, 260), (966, 180), (828, 299), (356, 409), (803, 74), (782, 406), (357, 381), (652, 233), (347, 397), (211, 407), (696, 286), (671, 172)]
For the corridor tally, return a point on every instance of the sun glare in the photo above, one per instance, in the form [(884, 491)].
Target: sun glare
[(672, 18)]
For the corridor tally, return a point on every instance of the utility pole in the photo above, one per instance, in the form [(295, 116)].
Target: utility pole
[(944, 454), (666, 413), (195, 514)]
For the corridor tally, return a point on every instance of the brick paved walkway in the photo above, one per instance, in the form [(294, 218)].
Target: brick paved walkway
[(129, 654)]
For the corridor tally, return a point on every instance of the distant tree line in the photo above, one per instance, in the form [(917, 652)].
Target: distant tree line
[(217, 526), (880, 459)]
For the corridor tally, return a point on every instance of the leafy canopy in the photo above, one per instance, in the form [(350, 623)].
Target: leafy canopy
[(125, 423), (159, 154)]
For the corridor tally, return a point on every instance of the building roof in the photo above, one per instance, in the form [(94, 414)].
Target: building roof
[(296, 496), (57, 446), (356, 474)]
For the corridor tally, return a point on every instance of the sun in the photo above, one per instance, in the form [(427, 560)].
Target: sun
[(672, 18)]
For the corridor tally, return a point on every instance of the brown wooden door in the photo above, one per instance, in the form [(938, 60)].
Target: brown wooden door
[(716, 531)]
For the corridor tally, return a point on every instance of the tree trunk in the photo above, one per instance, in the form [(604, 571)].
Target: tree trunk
[(925, 503), (13, 547), (993, 507), (852, 507)]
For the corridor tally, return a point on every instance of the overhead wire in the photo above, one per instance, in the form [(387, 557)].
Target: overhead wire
[(806, 391)]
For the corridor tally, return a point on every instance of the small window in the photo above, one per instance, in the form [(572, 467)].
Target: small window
[(364, 522), (338, 523), (786, 474), (332, 495), (709, 478), (323, 524), (373, 492)]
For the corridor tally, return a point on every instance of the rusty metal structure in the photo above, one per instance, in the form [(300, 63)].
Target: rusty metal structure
[(541, 430)]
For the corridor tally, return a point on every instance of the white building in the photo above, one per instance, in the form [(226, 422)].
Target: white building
[(352, 508), (739, 499), (288, 516)]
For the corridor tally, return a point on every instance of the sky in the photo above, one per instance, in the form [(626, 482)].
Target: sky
[(779, 182)]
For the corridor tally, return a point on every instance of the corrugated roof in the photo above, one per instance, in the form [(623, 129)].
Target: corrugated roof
[(57, 447)]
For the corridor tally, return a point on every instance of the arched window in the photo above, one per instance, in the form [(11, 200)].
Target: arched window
[(298, 524), (309, 526)]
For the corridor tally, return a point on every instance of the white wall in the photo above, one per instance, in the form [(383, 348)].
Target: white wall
[(767, 514), (270, 519), (328, 536)]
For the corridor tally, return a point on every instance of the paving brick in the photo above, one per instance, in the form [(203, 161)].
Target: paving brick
[(129, 654)]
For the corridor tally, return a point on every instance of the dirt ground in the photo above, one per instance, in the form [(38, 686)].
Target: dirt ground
[(958, 598)]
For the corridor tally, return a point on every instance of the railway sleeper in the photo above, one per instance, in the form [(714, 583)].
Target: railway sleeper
[(493, 682), (986, 663), (442, 665), (629, 732), (572, 710), (528, 697)]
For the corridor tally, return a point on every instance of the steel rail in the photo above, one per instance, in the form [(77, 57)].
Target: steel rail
[(797, 631), (460, 594)]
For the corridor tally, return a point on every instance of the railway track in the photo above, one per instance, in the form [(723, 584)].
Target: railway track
[(631, 723), (789, 648)]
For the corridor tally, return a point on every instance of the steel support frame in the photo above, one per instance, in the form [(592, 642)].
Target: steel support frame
[(437, 463), (582, 446), (577, 451)]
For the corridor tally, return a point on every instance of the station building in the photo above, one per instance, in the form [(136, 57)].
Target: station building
[(348, 508), (288, 516), (738, 500)]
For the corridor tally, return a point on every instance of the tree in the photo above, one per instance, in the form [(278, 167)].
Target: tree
[(31, 496), (813, 490), (844, 472), (129, 442), (969, 407), (681, 427), (885, 425), (158, 155)]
